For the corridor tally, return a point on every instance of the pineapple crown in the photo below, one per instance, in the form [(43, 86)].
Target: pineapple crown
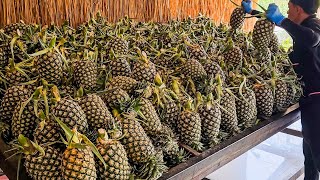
[(142, 56), (103, 136), (78, 140), (20, 67), (161, 94), (27, 147)]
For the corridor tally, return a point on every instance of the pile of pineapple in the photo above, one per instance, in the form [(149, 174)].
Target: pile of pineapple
[(127, 99)]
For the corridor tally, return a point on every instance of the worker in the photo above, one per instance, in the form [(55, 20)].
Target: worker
[(304, 28)]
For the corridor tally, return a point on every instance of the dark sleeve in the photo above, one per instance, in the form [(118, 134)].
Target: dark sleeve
[(255, 12), (301, 34)]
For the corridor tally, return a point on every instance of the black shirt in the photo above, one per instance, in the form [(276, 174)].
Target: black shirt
[(306, 50)]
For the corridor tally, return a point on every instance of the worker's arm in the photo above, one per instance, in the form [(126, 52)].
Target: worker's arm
[(301, 34)]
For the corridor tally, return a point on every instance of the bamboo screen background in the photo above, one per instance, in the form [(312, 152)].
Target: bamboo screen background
[(78, 11)]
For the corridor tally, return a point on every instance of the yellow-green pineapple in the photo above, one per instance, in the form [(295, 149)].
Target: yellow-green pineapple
[(40, 161), (189, 127), (265, 99), (210, 115), (114, 155), (97, 113)]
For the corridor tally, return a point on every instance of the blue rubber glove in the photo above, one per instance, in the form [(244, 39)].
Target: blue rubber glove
[(247, 6), (274, 14)]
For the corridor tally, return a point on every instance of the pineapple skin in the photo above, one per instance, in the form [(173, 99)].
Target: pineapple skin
[(70, 112), (138, 145), (115, 156), (86, 74), (78, 164), (50, 67), (210, 123), (237, 18), (189, 126), (44, 167), (97, 113)]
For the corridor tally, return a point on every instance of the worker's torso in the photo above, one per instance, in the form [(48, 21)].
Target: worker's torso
[(309, 60)]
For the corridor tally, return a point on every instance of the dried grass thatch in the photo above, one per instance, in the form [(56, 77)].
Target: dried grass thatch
[(78, 11)]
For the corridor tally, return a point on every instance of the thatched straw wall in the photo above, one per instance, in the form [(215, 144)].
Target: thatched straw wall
[(78, 11)]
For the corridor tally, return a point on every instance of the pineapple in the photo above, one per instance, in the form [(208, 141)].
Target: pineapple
[(213, 69), (5, 132), (67, 90), (119, 67), (47, 131), (78, 158), (114, 155), (78, 163), (16, 73), (280, 95), (262, 33), (290, 95), (167, 142), (123, 82), (210, 115), (168, 58), (274, 44), (136, 142), (12, 97), (50, 67), (193, 69), (115, 97), (14, 77), (12, 29), (3, 58), (140, 149), (44, 167), (69, 112), (40, 162), (118, 45), (97, 113), (189, 127), (143, 69), (229, 121), (246, 107), (264, 56), (233, 57), (237, 18), (197, 52), (265, 99), (18, 53), (85, 74), (151, 121), (26, 122), (170, 114)]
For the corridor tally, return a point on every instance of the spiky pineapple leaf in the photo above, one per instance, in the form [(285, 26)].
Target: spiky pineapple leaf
[(56, 94), (94, 149), (74, 136), (68, 132)]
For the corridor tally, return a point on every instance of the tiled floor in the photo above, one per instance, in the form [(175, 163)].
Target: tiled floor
[(277, 158)]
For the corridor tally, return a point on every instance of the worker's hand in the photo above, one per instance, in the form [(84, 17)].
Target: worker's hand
[(274, 14), (247, 6)]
